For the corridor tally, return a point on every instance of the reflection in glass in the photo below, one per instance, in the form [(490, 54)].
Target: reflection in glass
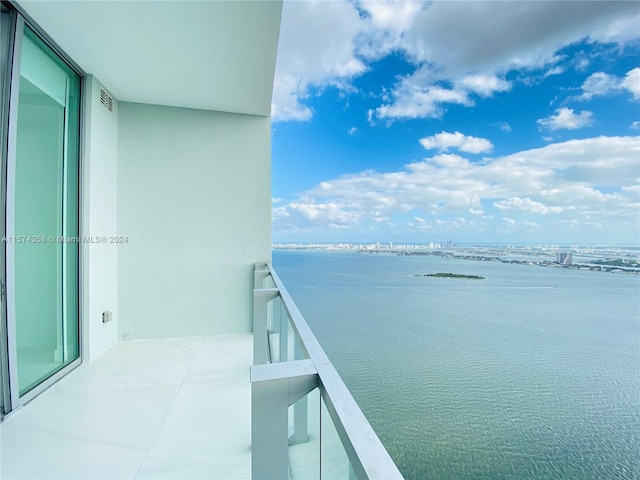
[(284, 344), (304, 437), (334, 460), (45, 213)]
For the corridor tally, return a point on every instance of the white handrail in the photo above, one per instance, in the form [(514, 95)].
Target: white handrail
[(368, 457)]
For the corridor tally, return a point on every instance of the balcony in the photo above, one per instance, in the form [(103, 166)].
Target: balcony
[(167, 408), (305, 423), (195, 407), (150, 369)]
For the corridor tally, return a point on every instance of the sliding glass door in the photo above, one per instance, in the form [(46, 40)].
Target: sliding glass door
[(41, 226), (6, 23)]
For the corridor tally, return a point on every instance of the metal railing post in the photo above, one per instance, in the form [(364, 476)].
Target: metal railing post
[(269, 430), (261, 298), (300, 409), (283, 325), (300, 422), (258, 278), (274, 388)]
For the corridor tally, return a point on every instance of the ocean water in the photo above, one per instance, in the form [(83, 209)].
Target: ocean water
[(532, 373)]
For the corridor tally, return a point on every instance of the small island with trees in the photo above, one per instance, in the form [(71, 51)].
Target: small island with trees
[(449, 275)]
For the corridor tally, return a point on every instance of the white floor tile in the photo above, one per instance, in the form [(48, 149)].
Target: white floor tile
[(171, 408), (147, 363), (127, 418), (42, 455), (232, 467), (209, 421), (222, 357)]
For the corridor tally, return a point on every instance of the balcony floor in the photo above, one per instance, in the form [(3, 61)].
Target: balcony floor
[(165, 409)]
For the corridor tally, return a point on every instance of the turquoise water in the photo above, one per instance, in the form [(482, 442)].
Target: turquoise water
[(532, 373)]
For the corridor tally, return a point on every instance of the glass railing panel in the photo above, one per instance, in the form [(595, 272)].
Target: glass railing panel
[(284, 344), (304, 437), (315, 446), (268, 283), (285, 334), (274, 314), (334, 462), (291, 346), (263, 278)]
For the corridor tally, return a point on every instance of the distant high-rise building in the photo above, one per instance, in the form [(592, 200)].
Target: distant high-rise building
[(564, 258)]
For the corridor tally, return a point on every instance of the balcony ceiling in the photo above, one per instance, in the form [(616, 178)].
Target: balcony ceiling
[(212, 55)]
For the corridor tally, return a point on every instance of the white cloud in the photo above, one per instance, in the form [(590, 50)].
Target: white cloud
[(287, 93), (393, 16), (635, 125), (525, 205), (601, 84), (565, 118), (316, 48), (631, 82), (503, 126), (510, 226), (417, 102), (483, 85), (450, 45), (598, 84), (617, 29), (443, 141), (416, 97), (464, 37), (577, 181), (633, 191), (557, 70), (280, 212), (385, 23), (327, 43), (581, 62), (458, 48), (352, 130), (325, 212)]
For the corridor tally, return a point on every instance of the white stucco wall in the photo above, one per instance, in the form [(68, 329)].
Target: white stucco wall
[(99, 264), (194, 200)]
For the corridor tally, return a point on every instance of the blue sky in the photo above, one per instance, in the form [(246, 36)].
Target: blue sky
[(504, 122)]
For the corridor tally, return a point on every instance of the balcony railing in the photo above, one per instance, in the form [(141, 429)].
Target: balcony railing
[(304, 421)]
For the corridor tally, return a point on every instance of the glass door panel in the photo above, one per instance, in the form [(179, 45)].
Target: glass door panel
[(42, 216), (5, 53)]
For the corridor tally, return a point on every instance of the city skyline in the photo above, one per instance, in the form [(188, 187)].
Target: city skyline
[(509, 122)]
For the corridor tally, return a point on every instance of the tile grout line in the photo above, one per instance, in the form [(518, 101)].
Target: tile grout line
[(164, 418)]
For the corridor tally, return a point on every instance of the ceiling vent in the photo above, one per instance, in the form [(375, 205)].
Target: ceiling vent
[(106, 100)]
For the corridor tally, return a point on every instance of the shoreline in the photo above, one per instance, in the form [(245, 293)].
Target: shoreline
[(605, 261)]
